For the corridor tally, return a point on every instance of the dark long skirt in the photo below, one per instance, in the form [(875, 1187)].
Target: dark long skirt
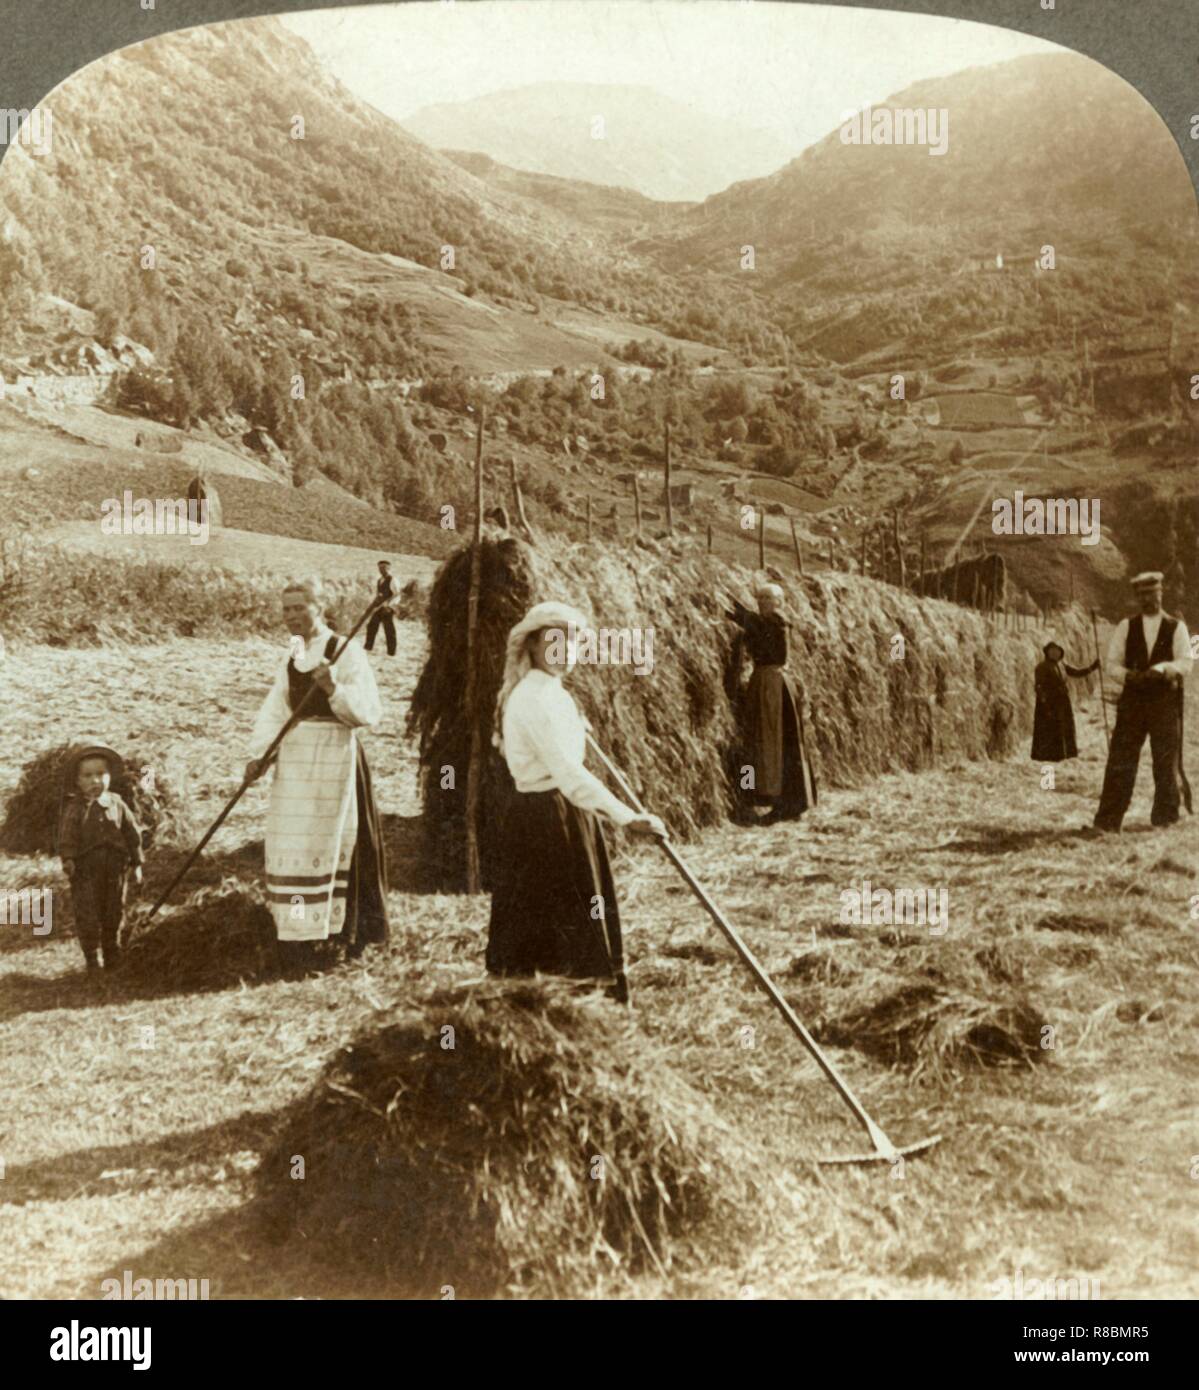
[(554, 905), (1053, 738), (783, 777), (366, 919)]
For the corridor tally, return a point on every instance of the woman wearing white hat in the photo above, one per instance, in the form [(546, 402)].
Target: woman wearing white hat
[(554, 907)]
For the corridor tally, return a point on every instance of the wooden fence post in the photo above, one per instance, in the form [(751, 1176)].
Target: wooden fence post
[(762, 538), (588, 516), (901, 568), (798, 548), (669, 509), (473, 769)]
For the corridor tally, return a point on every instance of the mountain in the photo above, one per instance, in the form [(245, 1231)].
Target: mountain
[(885, 248), (647, 142)]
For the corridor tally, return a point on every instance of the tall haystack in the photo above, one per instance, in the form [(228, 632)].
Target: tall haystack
[(509, 1139), (893, 682)]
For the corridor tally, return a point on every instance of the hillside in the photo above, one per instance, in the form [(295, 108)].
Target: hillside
[(647, 142)]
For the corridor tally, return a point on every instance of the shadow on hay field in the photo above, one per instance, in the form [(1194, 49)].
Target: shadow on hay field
[(1004, 839), (171, 1160)]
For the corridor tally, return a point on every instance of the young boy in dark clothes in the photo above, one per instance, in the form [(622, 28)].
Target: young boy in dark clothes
[(98, 839)]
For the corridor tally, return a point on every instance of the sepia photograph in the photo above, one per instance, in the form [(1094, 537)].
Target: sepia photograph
[(596, 609)]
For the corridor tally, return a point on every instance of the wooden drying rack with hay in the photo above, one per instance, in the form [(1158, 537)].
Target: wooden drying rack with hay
[(551, 1151), (893, 682)]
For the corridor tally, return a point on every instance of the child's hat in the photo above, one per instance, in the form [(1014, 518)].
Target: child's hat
[(88, 749)]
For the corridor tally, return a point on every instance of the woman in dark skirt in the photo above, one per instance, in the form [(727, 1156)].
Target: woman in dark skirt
[(1053, 719), (782, 775), (554, 906)]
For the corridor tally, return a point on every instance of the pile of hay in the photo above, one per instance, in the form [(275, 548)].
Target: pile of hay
[(217, 936), (551, 1151), (31, 813), (957, 687), (935, 1020)]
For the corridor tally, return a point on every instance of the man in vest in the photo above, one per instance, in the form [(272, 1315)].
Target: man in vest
[(1148, 658), (385, 594)]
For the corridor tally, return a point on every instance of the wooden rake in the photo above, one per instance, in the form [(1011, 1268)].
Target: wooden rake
[(884, 1151)]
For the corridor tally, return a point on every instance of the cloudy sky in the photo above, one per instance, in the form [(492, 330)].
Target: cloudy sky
[(789, 69)]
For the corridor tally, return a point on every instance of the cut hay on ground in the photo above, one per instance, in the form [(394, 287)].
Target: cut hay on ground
[(549, 1152), (31, 812), (215, 937), (955, 687), (938, 1020)]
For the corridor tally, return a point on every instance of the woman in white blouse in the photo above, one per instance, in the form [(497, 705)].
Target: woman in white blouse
[(325, 871), (554, 907)]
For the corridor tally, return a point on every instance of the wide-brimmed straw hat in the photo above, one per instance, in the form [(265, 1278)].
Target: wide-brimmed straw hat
[(517, 662)]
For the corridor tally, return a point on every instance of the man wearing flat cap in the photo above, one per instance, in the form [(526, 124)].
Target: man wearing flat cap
[(1149, 659)]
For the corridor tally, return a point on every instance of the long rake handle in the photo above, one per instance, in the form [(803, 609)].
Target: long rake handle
[(771, 990), (265, 759)]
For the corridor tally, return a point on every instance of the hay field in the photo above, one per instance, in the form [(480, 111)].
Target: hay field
[(123, 1155)]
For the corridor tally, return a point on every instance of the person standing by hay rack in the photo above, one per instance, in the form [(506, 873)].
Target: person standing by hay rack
[(554, 906), (325, 868), (1053, 738), (782, 775)]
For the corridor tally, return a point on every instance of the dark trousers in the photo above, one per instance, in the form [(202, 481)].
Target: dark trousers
[(1155, 717), (385, 617), (98, 897)]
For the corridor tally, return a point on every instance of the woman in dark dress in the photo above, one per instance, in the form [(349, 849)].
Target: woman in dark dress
[(1053, 719), (554, 906), (782, 775)]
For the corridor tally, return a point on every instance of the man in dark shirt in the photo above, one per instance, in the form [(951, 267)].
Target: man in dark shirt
[(383, 616)]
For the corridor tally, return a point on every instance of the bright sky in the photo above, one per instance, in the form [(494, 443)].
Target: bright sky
[(790, 69)]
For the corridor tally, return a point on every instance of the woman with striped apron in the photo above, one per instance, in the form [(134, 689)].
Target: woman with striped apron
[(325, 868)]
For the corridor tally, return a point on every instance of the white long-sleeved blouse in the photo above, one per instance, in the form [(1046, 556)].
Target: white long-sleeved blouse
[(545, 739), (355, 701)]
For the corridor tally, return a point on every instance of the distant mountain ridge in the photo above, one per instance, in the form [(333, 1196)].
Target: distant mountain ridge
[(647, 142)]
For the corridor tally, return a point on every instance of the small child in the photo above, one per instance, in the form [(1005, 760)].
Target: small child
[(98, 839)]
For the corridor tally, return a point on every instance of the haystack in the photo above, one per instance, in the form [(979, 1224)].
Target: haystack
[(940, 1020), (543, 1147), (672, 729), (218, 935), (894, 682), (31, 812)]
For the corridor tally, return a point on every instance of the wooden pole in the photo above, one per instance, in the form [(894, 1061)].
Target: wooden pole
[(637, 501), (473, 769), (762, 538), (588, 516), (666, 460), (902, 569), (518, 501), (709, 538), (798, 547)]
